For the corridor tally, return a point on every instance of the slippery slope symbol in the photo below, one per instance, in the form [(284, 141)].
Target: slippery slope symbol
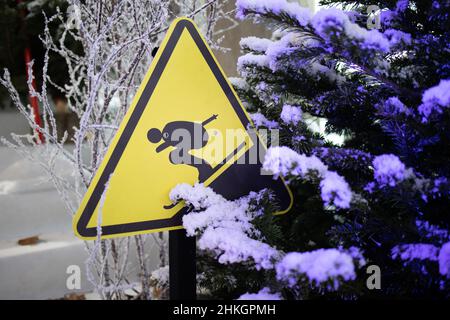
[(184, 89)]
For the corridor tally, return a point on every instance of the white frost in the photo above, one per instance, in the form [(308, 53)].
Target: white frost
[(420, 251), (444, 260), (319, 266), (224, 227), (263, 294), (255, 43), (291, 114), (336, 20), (285, 161), (335, 190), (259, 120), (389, 170), (294, 10)]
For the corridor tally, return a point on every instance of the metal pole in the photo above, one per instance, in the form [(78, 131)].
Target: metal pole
[(182, 267)]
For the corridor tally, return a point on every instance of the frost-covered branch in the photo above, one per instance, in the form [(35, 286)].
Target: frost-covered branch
[(117, 39), (226, 229)]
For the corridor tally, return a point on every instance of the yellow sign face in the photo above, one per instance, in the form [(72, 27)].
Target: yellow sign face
[(184, 94)]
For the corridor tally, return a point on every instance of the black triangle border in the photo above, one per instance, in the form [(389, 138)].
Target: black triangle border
[(176, 220)]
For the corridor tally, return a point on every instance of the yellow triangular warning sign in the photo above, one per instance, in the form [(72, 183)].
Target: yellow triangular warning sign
[(185, 93)]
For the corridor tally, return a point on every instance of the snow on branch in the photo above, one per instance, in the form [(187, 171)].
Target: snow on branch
[(276, 7), (225, 229), (224, 226), (263, 294), (285, 162), (321, 267)]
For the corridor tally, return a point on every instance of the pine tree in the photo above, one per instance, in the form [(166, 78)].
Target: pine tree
[(381, 196)]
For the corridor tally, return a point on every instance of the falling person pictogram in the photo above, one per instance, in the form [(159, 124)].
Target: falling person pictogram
[(185, 136)]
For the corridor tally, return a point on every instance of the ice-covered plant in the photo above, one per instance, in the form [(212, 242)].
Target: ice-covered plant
[(383, 186), (116, 40)]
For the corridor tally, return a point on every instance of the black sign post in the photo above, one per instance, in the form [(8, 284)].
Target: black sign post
[(182, 269)]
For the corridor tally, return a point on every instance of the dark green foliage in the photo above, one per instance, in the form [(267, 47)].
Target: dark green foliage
[(357, 106)]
